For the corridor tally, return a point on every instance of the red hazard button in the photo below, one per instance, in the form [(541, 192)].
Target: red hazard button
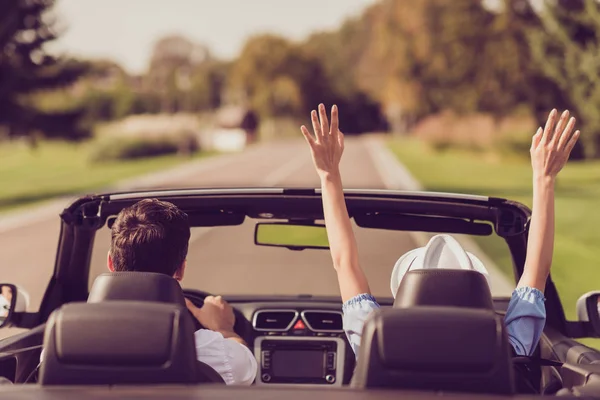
[(299, 325)]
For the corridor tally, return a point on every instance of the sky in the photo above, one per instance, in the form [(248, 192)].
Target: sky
[(125, 30)]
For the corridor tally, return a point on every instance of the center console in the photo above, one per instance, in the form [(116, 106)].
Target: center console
[(298, 353), (295, 360)]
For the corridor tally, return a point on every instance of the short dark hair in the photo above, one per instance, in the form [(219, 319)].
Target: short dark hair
[(150, 236)]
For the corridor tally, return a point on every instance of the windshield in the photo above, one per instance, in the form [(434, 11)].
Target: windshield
[(225, 261)]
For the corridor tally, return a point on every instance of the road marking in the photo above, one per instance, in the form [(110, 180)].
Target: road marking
[(396, 176), (392, 172)]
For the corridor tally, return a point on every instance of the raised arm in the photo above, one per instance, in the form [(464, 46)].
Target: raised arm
[(326, 147), (550, 150)]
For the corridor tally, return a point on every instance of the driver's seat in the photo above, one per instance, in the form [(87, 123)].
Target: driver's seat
[(119, 342), (145, 286)]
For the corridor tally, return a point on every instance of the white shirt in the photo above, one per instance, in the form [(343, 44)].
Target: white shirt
[(232, 360)]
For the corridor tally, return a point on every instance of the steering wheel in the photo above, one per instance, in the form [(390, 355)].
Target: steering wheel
[(197, 298)]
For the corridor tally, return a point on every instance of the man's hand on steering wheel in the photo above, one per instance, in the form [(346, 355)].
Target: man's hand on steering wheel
[(216, 314)]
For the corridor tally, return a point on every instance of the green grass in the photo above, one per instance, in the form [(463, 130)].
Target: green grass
[(59, 169), (576, 268)]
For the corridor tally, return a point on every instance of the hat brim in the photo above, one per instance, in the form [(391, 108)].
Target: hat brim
[(414, 260)]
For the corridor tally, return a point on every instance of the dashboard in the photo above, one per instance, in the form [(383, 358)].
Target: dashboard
[(297, 342), (299, 347)]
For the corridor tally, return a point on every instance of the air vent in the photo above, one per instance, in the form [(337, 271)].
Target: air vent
[(274, 320), (323, 321)]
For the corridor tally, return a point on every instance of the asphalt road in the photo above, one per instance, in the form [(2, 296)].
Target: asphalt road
[(225, 260)]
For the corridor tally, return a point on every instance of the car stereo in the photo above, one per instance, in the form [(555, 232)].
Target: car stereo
[(299, 361)]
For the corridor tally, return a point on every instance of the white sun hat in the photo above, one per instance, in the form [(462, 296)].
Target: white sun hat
[(442, 251)]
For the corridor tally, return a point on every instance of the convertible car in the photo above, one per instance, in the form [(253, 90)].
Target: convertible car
[(265, 251)]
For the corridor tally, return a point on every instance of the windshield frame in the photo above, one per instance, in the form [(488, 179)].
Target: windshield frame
[(81, 220)]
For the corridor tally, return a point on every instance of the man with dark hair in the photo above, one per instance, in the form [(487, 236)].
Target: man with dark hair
[(150, 236), (153, 236)]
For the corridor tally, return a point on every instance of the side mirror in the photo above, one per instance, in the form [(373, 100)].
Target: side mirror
[(12, 300), (588, 309)]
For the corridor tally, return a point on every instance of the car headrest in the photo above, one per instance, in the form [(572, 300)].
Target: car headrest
[(120, 342), (444, 287), (137, 286), (435, 348)]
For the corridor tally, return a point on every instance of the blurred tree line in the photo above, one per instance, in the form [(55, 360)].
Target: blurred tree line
[(25, 27), (181, 77), (420, 57), (388, 68)]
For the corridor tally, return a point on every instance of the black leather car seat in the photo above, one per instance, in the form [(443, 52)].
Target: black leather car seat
[(444, 287), (139, 286), (441, 334), (435, 348), (119, 342), (460, 288), (145, 286)]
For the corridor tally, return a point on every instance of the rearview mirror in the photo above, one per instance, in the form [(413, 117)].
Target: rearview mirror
[(12, 300), (291, 236)]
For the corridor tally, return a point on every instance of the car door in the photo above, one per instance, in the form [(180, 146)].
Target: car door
[(559, 343)]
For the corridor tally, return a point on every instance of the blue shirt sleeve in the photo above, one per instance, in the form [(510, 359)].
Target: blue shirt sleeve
[(525, 319), (356, 311)]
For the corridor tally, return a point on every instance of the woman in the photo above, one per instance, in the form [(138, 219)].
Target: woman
[(526, 313)]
